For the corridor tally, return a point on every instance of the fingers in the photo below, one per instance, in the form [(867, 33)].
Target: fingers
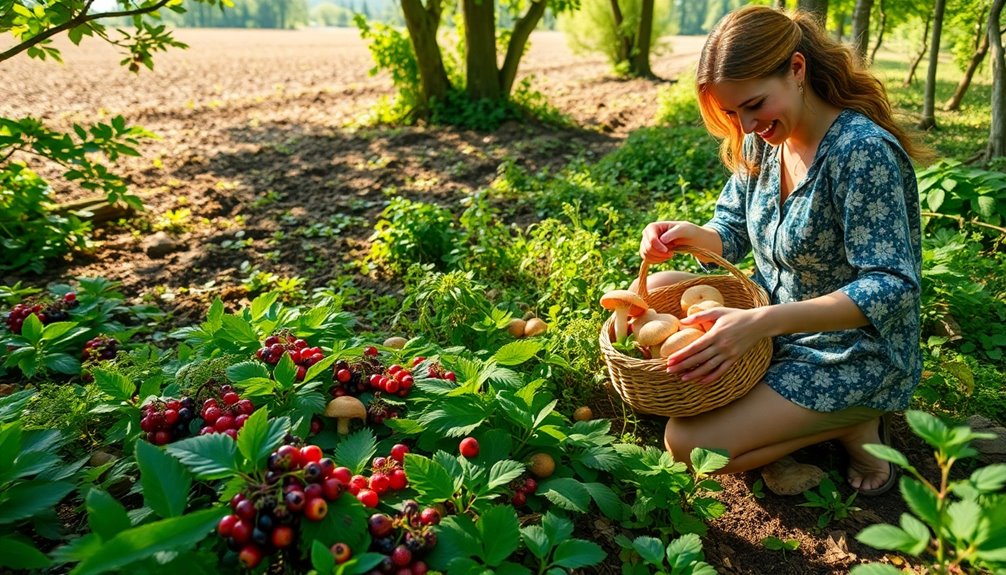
[(705, 365), (653, 247)]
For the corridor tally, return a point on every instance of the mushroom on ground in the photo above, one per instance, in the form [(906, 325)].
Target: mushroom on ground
[(655, 332), (395, 342), (516, 327), (344, 409), (697, 293), (534, 326), (625, 304)]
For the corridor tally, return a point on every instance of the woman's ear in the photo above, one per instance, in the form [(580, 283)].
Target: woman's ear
[(798, 65)]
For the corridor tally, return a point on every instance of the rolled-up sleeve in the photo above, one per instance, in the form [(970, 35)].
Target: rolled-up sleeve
[(870, 195)]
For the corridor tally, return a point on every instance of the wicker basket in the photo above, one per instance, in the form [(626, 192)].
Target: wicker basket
[(646, 386)]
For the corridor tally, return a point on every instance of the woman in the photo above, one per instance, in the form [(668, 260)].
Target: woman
[(824, 193)]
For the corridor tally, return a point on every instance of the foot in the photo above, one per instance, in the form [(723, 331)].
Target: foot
[(866, 472)]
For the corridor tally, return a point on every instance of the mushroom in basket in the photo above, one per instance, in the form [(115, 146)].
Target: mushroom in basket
[(625, 304)]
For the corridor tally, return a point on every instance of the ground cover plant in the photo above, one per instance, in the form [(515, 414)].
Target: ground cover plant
[(191, 390)]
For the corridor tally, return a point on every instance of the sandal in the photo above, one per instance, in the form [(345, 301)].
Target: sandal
[(892, 477)]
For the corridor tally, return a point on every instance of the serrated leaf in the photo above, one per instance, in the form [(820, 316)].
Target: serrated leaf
[(684, 550), (963, 519), (321, 558), (165, 481), (989, 479), (557, 528), (536, 541), (576, 553), (500, 533), (356, 450), (261, 304), (105, 515), (607, 500), (238, 332), (285, 372), (567, 493), (113, 384), (211, 456), (927, 426), (428, 478), (599, 457), (246, 370), (516, 352), (259, 437), (921, 500), (650, 549), (146, 540), (503, 472), (706, 461), (884, 536)]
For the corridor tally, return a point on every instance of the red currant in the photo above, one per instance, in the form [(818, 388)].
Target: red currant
[(469, 447), (316, 509), (250, 556), (340, 552), (368, 498)]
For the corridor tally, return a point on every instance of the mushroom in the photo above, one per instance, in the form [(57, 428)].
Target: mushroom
[(655, 332), (679, 340), (516, 327), (344, 409), (534, 326), (702, 306), (625, 304), (697, 293), (642, 319), (395, 342)]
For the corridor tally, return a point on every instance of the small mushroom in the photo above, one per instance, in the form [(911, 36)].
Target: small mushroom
[(655, 332), (678, 340), (395, 342), (787, 477), (534, 326), (642, 319), (516, 327), (344, 409), (697, 293), (702, 306), (625, 304)]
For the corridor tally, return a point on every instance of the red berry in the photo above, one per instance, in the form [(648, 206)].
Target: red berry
[(450, 376), (340, 552), (343, 375), (211, 414), (429, 516), (469, 447), (398, 479), (246, 407), (301, 372), (417, 360), (391, 385), (316, 509), (250, 556), (343, 474), (398, 452), (223, 423), (368, 498), (162, 438), (282, 536), (518, 499), (359, 482), (310, 453), (332, 488), (295, 500), (379, 482), (246, 511), (530, 485), (380, 525), (370, 351), (232, 433), (238, 498), (420, 568), (231, 398), (241, 532), (401, 556), (226, 525)]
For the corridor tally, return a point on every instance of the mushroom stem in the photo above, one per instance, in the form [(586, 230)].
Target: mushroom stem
[(621, 322), (343, 425)]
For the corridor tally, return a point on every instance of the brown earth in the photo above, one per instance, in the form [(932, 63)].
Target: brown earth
[(257, 139)]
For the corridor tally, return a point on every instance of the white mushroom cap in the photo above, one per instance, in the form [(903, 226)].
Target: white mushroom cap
[(656, 331), (679, 340), (697, 293), (344, 409)]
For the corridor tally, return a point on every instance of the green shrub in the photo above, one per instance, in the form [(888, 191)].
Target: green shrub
[(592, 29), (677, 105), (411, 232), (948, 187)]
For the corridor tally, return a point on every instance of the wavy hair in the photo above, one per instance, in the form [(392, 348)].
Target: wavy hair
[(756, 42)]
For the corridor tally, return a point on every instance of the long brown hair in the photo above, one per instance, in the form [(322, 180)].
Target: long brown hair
[(755, 42)]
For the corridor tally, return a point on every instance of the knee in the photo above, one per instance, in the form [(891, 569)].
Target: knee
[(680, 438), (661, 279)]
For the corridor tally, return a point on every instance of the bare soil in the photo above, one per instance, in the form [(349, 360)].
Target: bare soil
[(247, 116)]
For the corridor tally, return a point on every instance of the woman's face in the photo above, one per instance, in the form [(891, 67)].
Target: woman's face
[(769, 107)]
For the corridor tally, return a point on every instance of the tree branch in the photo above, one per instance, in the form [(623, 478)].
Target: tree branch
[(961, 220), (78, 20), (518, 40)]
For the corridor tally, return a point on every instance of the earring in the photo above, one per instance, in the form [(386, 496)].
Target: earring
[(800, 87)]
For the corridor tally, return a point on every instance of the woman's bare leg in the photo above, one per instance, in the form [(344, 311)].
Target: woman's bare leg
[(661, 279), (763, 426)]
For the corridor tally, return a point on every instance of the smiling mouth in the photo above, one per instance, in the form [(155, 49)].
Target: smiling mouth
[(767, 131)]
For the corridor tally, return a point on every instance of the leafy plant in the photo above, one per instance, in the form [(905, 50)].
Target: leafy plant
[(955, 524), (41, 348), (948, 187), (776, 544), (645, 555), (410, 233), (829, 500)]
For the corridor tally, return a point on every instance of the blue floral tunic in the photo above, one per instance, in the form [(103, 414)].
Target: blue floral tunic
[(851, 225)]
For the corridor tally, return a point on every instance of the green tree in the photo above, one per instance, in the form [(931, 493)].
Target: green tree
[(625, 31), (997, 129)]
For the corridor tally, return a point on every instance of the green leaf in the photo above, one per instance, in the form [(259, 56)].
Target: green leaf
[(990, 479), (356, 450), (888, 453), (557, 528), (684, 550), (503, 472), (56, 329), (31, 329), (285, 372), (918, 531), (650, 549), (927, 426), (875, 569), (921, 500), (536, 541), (62, 363), (607, 500), (165, 481), (113, 384), (567, 493), (319, 368), (10, 446), (706, 461), (246, 370), (321, 557), (346, 521), (26, 499), (146, 540), (12, 406), (963, 519), (237, 331), (261, 304), (884, 536), (105, 515), (17, 554), (576, 553), (516, 352), (259, 437), (211, 456), (428, 478), (500, 533)]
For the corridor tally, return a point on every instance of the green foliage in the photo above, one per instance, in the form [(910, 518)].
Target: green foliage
[(392, 51), (948, 187), (410, 232), (677, 104), (592, 29), (645, 555), (957, 525), (32, 232), (827, 498)]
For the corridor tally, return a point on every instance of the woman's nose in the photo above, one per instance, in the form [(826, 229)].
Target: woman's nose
[(748, 123)]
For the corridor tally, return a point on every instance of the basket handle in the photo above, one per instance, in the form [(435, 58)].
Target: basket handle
[(753, 289)]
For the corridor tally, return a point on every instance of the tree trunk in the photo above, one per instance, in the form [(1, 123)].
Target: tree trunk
[(624, 40), (997, 129), (861, 26), (928, 120), (779, 4), (839, 26), (518, 41), (819, 8), (921, 54), (639, 63), (481, 70), (981, 49), (881, 28), (422, 23)]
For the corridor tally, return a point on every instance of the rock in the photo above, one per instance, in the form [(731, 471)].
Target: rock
[(989, 450), (7, 389), (99, 458), (787, 477), (160, 244)]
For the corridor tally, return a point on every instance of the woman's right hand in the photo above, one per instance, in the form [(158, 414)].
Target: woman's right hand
[(660, 239)]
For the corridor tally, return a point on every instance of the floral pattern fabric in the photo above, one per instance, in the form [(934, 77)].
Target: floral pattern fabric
[(852, 225)]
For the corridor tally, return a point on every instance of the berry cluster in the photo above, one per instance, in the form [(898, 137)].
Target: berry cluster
[(300, 483), (302, 355), (45, 312), (354, 378), (100, 348), (403, 539), (387, 473), (167, 420), (226, 414), (379, 410), (521, 489), (435, 370), (397, 380)]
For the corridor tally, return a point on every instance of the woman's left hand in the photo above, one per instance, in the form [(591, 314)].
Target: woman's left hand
[(730, 333)]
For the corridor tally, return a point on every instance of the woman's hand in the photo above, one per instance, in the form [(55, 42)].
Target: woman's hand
[(731, 333), (660, 239)]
